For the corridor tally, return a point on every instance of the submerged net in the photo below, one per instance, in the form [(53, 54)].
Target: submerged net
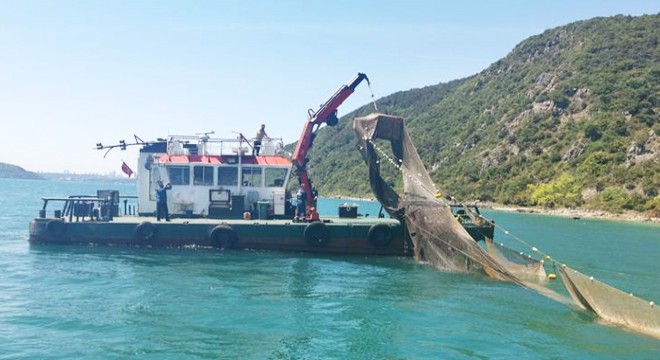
[(612, 304), (438, 238), (522, 266)]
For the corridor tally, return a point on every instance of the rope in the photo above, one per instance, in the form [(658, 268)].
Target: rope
[(373, 99)]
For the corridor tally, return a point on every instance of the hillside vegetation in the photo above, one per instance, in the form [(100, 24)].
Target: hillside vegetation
[(9, 171), (568, 119)]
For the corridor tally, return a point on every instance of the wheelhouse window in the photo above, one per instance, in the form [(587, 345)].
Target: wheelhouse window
[(275, 176), (251, 176), (228, 175), (203, 175), (179, 175)]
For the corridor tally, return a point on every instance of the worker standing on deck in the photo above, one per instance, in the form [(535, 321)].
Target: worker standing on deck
[(301, 197), (261, 134), (315, 198), (161, 201)]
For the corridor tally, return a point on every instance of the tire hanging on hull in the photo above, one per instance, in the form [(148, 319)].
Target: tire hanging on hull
[(56, 227), (145, 232), (380, 235), (222, 237), (317, 234)]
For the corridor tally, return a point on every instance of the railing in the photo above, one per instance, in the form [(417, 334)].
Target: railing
[(194, 145), (92, 207)]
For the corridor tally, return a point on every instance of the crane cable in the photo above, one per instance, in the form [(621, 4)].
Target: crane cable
[(373, 99)]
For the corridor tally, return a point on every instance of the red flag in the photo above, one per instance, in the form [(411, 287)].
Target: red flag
[(126, 169)]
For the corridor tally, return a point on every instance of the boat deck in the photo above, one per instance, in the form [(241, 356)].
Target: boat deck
[(210, 221)]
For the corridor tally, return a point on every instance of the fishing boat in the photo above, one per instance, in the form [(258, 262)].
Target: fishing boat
[(222, 195), (227, 194)]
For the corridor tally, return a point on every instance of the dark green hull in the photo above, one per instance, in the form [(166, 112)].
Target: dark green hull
[(336, 235)]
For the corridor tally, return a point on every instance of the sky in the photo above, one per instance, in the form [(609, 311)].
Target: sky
[(75, 73)]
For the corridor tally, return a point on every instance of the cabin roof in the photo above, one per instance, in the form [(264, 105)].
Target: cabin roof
[(221, 159)]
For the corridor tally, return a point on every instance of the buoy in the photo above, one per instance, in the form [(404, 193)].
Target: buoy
[(552, 276)]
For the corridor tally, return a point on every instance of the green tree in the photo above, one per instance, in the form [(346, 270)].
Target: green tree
[(565, 191)]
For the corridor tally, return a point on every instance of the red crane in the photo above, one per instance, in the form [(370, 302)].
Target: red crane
[(327, 114)]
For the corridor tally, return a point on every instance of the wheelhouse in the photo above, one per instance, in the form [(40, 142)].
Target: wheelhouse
[(218, 178)]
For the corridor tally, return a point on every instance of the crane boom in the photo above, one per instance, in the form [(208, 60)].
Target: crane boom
[(327, 114)]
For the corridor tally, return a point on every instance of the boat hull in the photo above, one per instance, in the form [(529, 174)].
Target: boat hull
[(336, 235)]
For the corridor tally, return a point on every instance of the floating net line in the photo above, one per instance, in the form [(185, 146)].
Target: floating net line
[(438, 238)]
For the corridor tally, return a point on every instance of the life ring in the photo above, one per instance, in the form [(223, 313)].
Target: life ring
[(317, 234), (145, 231), (380, 235), (56, 227), (222, 237)]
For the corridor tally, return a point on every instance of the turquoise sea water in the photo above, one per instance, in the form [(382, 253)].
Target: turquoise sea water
[(80, 302)]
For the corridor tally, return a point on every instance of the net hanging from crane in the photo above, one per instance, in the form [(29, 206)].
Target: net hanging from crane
[(439, 239)]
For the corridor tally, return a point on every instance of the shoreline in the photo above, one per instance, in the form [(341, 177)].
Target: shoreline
[(576, 214)]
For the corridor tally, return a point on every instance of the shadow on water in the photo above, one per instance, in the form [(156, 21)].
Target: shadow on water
[(159, 255)]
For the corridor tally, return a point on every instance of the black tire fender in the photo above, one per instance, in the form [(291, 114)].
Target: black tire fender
[(56, 227), (145, 231), (317, 234), (380, 235), (223, 237)]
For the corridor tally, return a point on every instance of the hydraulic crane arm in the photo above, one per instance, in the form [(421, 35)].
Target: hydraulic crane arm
[(327, 114)]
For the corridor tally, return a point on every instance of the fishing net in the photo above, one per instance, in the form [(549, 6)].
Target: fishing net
[(522, 266), (438, 238), (612, 304)]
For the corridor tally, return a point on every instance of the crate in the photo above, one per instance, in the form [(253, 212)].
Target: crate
[(349, 211)]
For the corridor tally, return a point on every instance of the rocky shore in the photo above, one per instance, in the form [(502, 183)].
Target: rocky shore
[(578, 213)]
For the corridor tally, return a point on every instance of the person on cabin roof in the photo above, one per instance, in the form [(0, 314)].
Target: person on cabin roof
[(161, 201), (261, 134)]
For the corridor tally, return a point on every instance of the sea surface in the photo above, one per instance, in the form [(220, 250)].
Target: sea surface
[(84, 302)]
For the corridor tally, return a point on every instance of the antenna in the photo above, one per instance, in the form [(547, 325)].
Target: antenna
[(205, 133)]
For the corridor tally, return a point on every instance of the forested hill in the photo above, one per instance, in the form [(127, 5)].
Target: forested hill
[(568, 119), (9, 171)]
